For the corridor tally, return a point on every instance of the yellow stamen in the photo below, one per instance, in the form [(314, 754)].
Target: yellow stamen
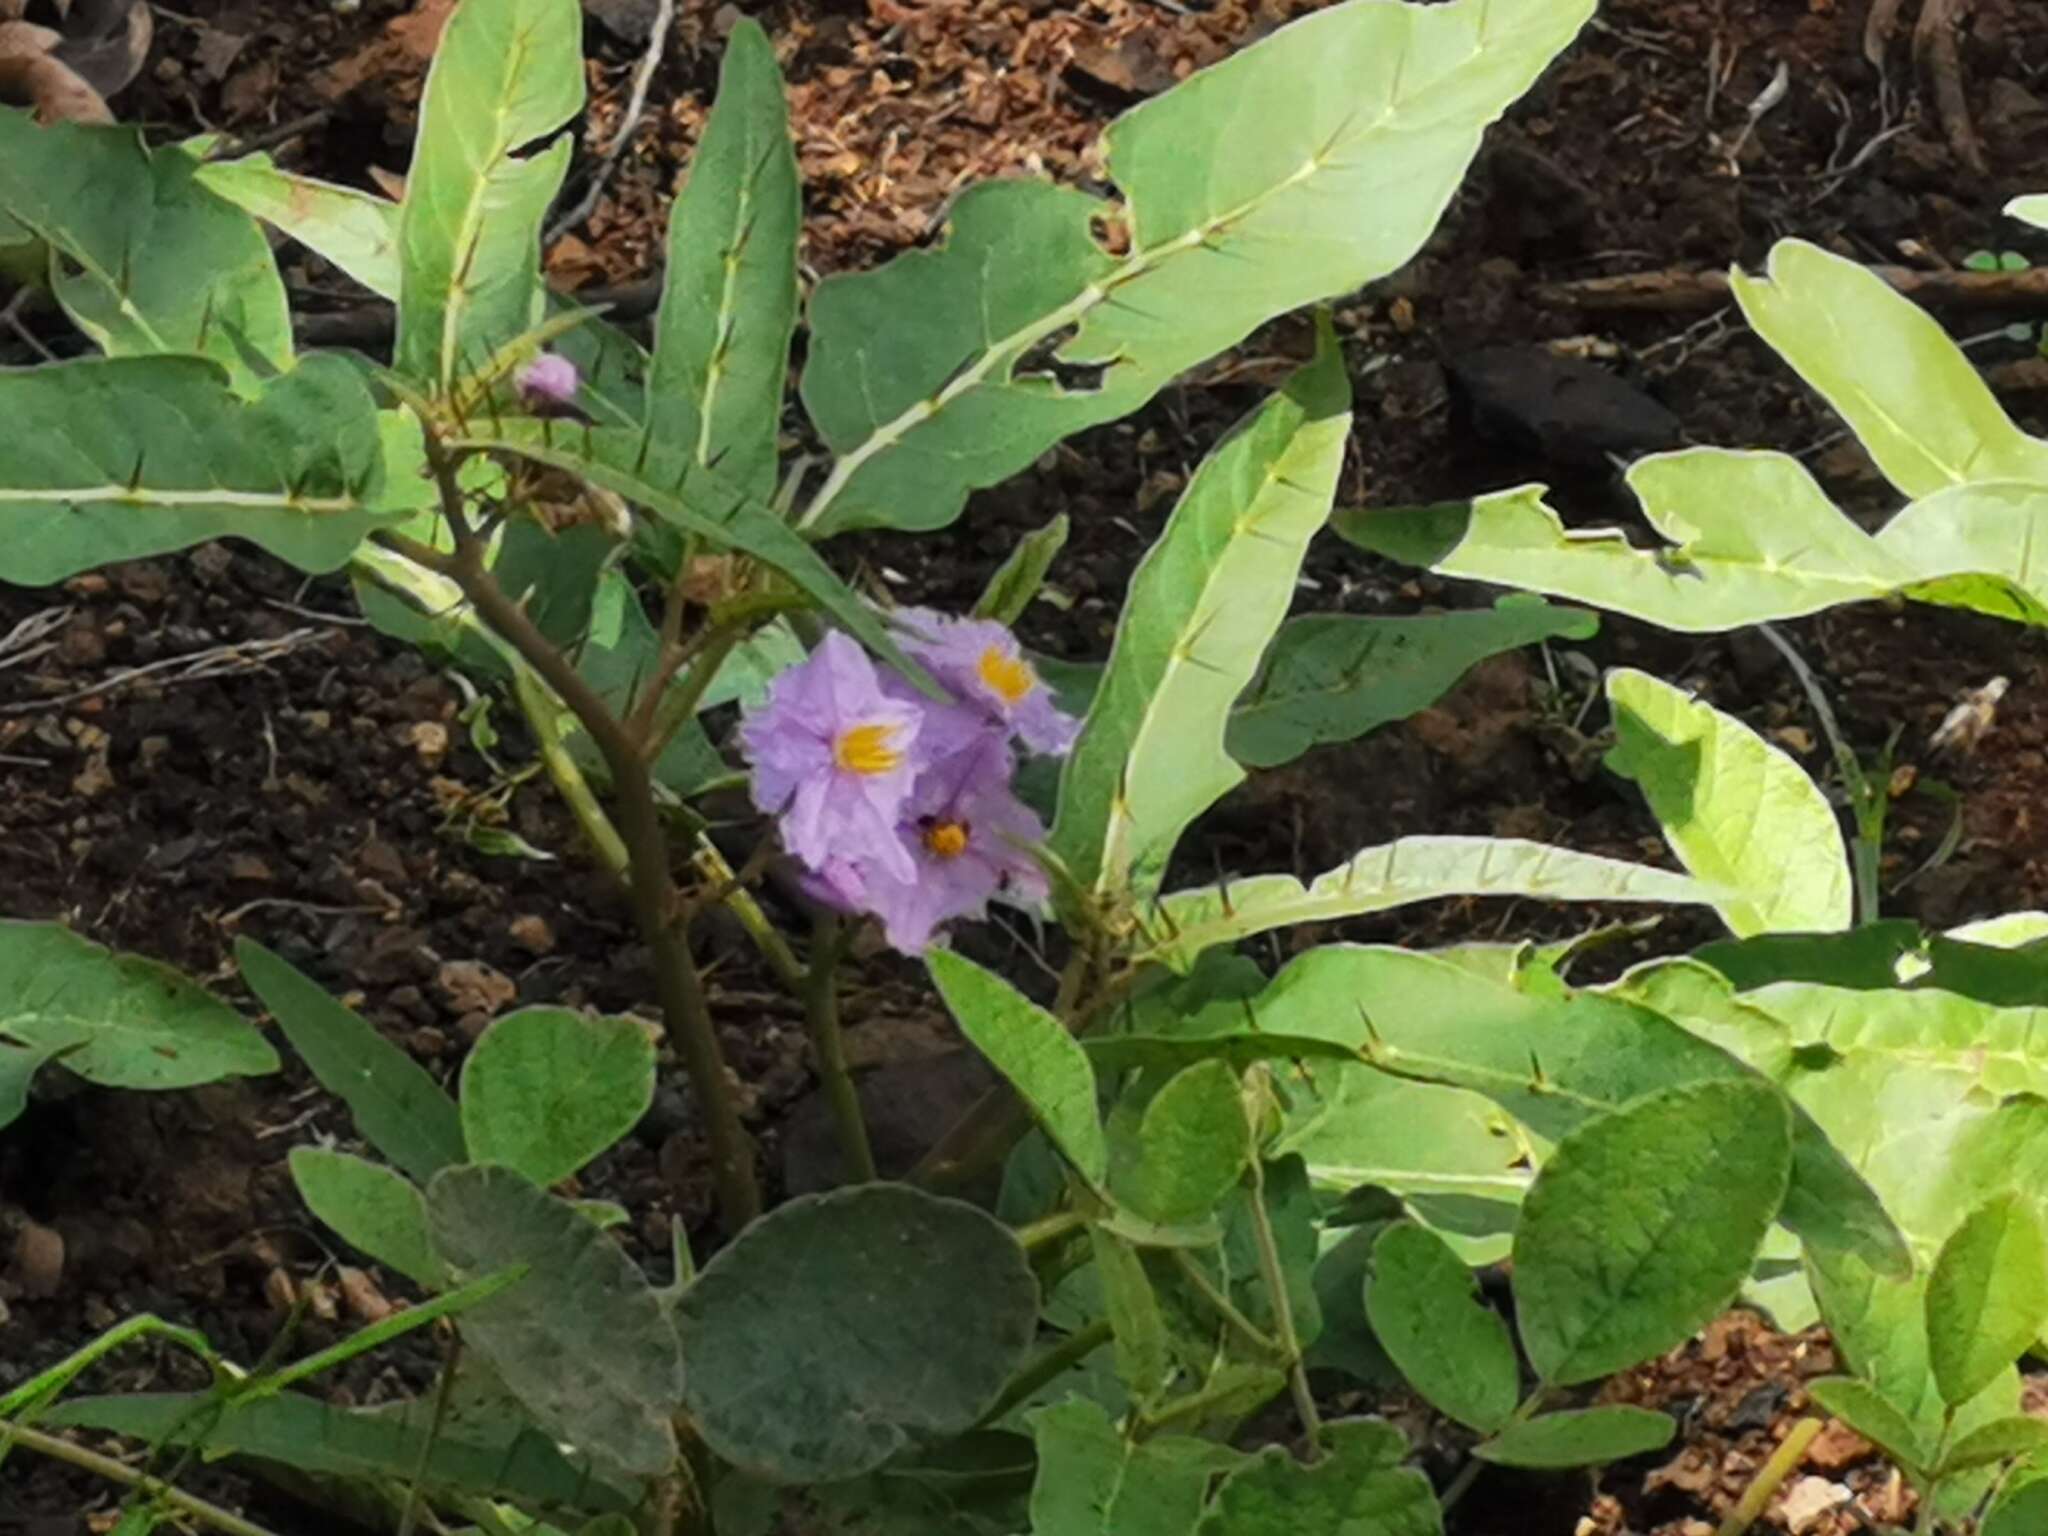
[(867, 750), (1010, 676), (948, 839)]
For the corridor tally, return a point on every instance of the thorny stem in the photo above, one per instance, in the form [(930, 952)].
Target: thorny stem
[(1764, 1487), (1275, 1279), (60, 1449), (731, 889), (828, 1046), (678, 986), (1050, 1365)]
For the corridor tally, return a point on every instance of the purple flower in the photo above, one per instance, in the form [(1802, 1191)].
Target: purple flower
[(832, 757), (965, 834), (548, 377), (982, 663)]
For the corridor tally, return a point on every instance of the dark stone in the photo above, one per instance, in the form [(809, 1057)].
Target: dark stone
[(1531, 401), (909, 1105)]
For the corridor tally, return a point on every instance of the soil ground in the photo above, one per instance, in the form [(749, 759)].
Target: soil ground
[(287, 774)]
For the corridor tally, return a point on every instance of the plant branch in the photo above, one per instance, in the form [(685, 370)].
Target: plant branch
[(679, 987), (1275, 1278), (1764, 1487), (828, 1048), (1049, 1365), (1225, 1308), (60, 1449)]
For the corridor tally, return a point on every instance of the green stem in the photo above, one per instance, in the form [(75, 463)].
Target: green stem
[(146, 1324), (1224, 1307), (60, 1449), (740, 901), (828, 1046), (1275, 1278), (1764, 1487), (1469, 1473), (444, 1390), (1051, 1364), (678, 985), (542, 718), (1047, 1230)]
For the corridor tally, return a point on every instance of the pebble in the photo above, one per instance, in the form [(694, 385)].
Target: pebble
[(532, 934)]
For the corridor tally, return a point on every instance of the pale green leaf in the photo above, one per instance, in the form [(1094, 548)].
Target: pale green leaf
[(1916, 403), (1202, 606), (1580, 1437), (1451, 1346), (1987, 1298), (356, 230), (582, 1340), (2033, 208), (147, 260), (1034, 1050), (379, 1211), (115, 1019), (1300, 168), (1726, 564), (1192, 1144), (545, 1090), (117, 459), (507, 73), (1187, 922), (728, 306), (842, 1328), (1872, 1415), (1143, 1353), (1552, 1061), (1738, 812), (1358, 1488), (1999, 1440), (398, 1107), (1017, 580), (1333, 677), (1645, 1222)]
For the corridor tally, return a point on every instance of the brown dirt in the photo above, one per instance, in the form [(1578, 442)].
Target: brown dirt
[(295, 796)]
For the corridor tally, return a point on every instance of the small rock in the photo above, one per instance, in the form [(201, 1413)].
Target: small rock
[(37, 1265), (1807, 1501), (532, 934), (246, 866), (151, 750), (1838, 1446), (360, 1295), (429, 738), (470, 986), (1563, 409), (473, 1025), (429, 1043)]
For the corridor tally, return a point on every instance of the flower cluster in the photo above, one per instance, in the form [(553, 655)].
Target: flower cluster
[(899, 805)]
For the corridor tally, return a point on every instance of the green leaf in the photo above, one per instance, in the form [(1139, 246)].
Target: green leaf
[(379, 1211), (1238, 1049), (1914, 400), (841, 1328), (1987, 1298), (1017, 580), (1451, 1346), (1738, 812), (397, 1105), (146, 260), (728, 305), (1202, 605), (1358, 1489), (1644, 1223), (316, 1437), (2033, 208), (1191, 1145), (1553, 1062), (1300, 168), (114, 1019), (582, 1341), (684, 494), (1094, 1481), (1332, 677), (1726, 565), (1580, 1437), (2000, 1440), (1185, 923), (1867, 1411), (121, 458), (1143, 1352), (356, 230), (506, 74), (1034, 1050), (544, 1090)]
